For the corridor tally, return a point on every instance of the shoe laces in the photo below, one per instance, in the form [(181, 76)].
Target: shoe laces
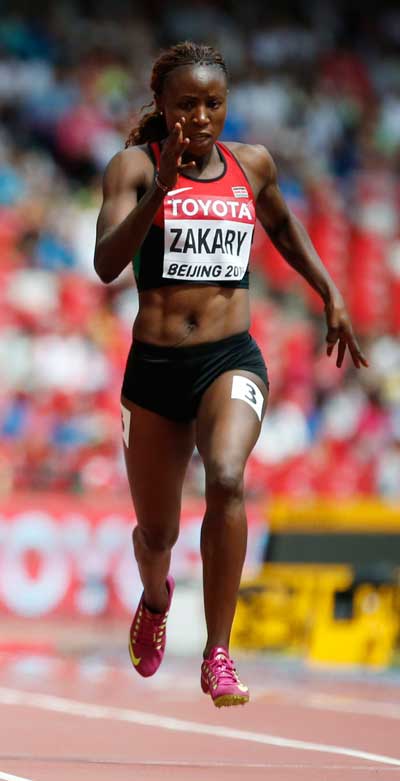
[(222, 668), (151, 628)]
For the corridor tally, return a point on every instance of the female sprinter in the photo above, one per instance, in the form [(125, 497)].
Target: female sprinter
[(184, 206)]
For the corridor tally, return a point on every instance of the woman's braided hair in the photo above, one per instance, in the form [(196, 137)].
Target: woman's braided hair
[(152, 126)]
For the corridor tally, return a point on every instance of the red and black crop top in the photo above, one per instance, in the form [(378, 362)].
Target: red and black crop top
[(202, 232)]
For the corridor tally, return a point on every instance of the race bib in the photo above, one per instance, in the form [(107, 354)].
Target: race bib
[(200, 246)]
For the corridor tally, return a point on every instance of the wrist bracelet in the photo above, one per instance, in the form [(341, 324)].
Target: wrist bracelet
[(163, 187)]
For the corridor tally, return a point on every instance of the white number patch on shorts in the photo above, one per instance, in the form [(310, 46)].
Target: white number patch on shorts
[(247, 390), (126, 424)]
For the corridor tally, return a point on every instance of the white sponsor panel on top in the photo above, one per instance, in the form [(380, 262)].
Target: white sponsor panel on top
[(209, 207), (33, 533), (72, 558), (75, 563)]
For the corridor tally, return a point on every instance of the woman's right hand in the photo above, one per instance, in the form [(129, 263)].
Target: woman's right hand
[(172, 152)]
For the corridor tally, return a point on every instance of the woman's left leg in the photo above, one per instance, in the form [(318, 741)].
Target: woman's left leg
[(228, 426)]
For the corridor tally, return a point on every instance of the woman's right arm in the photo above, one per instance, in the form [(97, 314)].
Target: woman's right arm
[(123, 222)]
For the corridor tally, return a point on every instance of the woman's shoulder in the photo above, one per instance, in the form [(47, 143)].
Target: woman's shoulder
[(129, 164), (254, 158), (131, 156)]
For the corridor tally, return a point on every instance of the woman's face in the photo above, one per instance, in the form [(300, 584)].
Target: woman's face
[(199, 94)]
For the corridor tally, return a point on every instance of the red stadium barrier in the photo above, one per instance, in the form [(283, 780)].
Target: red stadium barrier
[(66, 555)]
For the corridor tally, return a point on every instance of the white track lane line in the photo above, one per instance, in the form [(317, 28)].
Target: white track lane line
[(76, 708), (8, 777), (166, 763)]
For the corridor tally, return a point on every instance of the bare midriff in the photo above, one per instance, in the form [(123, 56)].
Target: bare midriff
[(177, 314)]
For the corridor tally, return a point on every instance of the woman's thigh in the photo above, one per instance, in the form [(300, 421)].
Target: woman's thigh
[(157, 451), (229, 420)]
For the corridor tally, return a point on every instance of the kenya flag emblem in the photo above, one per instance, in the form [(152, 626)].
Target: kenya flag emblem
[(240, 192)]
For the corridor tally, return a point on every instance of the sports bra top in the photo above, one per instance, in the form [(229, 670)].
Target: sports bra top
[(202, 232)]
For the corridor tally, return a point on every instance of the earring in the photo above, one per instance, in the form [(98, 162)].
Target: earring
[(160, 113)]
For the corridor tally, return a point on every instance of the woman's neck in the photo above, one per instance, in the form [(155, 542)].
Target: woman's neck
[(202, 161)]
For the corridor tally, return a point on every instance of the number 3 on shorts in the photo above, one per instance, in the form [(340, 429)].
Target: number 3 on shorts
[(247, 390)]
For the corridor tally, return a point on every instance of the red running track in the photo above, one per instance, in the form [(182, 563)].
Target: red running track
[(84, 719)]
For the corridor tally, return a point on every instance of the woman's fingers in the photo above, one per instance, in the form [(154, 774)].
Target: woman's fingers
[(331, 338), (179, 143), (341, 352), (340, 330), (172, 152), (357, 355), (345, 340)]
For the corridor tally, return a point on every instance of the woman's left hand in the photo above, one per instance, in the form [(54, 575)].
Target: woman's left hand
[(340, 330)]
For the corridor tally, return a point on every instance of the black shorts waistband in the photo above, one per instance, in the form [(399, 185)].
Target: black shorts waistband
[(158, 352)]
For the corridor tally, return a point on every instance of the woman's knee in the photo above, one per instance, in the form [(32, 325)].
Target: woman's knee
[(224, 480), (155, 539)]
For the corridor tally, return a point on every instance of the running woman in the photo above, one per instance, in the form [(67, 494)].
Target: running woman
[(183, 205)]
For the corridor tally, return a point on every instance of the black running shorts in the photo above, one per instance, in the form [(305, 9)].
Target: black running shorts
[(171, 380)]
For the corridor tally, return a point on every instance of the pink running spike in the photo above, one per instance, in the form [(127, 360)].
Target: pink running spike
[(220, 680), (147, 636)]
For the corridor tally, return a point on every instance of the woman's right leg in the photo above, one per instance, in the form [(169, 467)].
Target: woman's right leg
[(157, 451)]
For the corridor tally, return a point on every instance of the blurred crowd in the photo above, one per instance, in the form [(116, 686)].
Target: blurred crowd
[(319, 85)]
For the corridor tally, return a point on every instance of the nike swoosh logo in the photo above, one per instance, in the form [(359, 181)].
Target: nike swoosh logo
[(135, 660), (179, 190)]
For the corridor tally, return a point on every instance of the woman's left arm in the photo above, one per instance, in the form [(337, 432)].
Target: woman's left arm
[(294, 244)]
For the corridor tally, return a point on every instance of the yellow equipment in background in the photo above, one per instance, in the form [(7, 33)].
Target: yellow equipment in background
[(367, 636), (331, 613), (320, 611)]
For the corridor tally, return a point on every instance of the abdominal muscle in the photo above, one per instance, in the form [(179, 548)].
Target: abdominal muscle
[(191, 314)]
